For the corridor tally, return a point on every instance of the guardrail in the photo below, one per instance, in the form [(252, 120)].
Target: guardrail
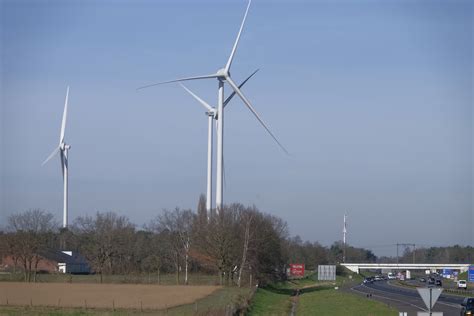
[(460, 292)]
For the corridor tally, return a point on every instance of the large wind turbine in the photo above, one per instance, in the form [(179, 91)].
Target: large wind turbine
[(222, 76), (62, 149), (212, 114)]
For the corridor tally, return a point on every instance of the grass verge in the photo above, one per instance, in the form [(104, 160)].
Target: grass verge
[(316, 298), (327, 302), (271, 301)]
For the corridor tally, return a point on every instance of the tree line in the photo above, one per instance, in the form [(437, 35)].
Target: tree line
[(447, 254), (240, 244)]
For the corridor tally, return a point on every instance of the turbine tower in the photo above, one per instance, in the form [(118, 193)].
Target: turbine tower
[(63, 149), (223, 76), (211, 114)]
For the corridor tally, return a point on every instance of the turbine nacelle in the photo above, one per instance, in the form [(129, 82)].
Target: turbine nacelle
[(64, 146), (223, 73), (212, 113)]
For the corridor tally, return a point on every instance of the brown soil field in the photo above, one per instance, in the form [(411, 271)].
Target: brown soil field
[(136, 296)]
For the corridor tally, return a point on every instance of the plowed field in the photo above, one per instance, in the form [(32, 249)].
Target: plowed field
[(135, 296)]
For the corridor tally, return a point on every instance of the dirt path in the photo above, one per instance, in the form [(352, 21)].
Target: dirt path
[(136, 296)]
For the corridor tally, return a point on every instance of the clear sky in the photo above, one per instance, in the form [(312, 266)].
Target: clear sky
[(373, 99)]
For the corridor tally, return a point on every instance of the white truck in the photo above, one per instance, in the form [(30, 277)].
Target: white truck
[(462, 284)]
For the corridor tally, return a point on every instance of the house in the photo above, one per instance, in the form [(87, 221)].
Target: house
[(68, 262), (52, 261)]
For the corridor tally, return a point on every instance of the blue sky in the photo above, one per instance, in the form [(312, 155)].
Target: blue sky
[(373, 99)]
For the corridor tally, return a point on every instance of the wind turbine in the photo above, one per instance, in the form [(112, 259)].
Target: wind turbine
[(223, 76), (211, 114), (344, 232), (62, 149)]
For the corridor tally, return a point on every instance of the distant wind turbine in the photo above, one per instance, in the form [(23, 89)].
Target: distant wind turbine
[(62, 149), (344, 232), (222, 76), (212, 114)]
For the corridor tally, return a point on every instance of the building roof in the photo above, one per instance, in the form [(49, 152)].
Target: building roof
[(60, 257)]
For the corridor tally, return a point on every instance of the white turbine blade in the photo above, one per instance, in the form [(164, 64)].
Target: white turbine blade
[(51, 156), (231, 57), (247, 103), (203, 103), (241, 85), (178, 80), (63, 124)]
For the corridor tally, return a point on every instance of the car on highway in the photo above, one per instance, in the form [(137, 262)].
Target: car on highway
[(438, 283), (467, 306), (378, 278), (422, 280), (431, 281), (368, 280), (462, 284)]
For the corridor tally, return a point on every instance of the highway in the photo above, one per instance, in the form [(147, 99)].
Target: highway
[(407, 300)]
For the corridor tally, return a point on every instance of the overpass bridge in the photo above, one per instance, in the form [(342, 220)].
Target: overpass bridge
[(356, 267)]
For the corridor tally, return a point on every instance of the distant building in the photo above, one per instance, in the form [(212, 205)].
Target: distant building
[(52, 261)]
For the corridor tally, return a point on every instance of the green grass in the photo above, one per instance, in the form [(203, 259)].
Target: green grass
[(329, 302), (216, 303), (312, 280), (271, 301), (316, 298)]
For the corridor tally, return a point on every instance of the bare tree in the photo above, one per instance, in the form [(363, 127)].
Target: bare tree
[(220, 240), (177, 225), (105, 240), (31, 231), (202, 216), (246, 221), (9, 247)]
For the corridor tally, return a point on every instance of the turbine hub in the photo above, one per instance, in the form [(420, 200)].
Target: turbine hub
[(222, 73)]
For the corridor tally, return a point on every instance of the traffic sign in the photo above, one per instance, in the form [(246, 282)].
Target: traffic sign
[(297, 269), (429, 295), (326, 273), (471, 274)]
